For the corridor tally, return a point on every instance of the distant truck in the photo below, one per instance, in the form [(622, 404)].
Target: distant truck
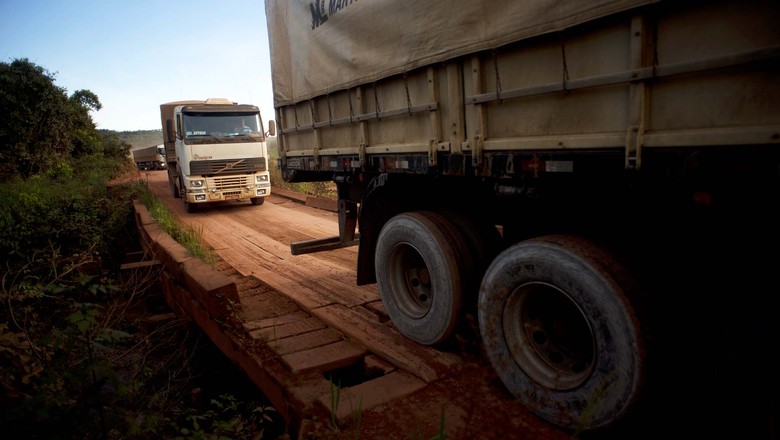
[(216, 150), (150, 158), (595, 183)]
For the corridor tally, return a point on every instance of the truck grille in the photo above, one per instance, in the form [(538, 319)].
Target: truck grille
[(234, 183), (227, 167)]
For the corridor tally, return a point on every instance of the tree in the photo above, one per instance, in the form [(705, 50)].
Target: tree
[(86, 99), (42, 127), (113, 146)]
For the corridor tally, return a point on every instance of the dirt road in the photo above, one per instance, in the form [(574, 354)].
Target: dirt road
[(321, 320)]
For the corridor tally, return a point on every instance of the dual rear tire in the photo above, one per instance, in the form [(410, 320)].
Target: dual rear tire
[(556, 314), (558, 323), (420, 267)]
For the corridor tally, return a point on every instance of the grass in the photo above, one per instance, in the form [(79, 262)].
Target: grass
[(188, 237), (335, 401)]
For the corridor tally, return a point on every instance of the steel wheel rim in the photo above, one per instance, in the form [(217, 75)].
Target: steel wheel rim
[(410, 281), (548, 336)]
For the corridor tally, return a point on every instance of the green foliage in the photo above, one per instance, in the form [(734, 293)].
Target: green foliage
[(64, 214), (357, 413), (87, 99), (226, 418), (76, 359), (317, 189), (58, 232), (41, 126), (114, 146), (191, 239), (335, 399)]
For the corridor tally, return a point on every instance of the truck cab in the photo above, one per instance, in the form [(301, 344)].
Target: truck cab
[(216, 151)]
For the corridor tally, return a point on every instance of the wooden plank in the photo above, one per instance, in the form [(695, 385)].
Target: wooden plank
[(326, 358), (320, 203), (425, 362), (372, 393), (268, 305), (314, 223), (290, 395), (310, 281), (375, 365), (250, 259), (288, 329), (336, 281), (294, 195), (307, 341), (276, 320), (215, 290), (140, 264), (271, 275)]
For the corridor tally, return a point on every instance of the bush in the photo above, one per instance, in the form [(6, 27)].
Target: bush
[(60, 218), (78, 357), (59, 231), (317, 189)]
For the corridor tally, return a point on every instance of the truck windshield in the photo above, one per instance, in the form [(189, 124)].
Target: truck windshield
[(209, 127)]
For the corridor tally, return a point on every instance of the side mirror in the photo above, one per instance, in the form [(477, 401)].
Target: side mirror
[(271, 128)]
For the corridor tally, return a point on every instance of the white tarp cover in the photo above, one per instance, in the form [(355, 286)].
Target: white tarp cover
[(321, 46)]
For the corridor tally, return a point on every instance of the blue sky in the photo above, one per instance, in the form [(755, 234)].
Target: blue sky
[(135, 55)]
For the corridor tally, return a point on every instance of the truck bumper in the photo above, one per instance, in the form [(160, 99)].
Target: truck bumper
[(221, 196)]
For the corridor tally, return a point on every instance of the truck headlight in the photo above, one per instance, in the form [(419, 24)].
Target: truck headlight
[(261, 178), (196, 183)]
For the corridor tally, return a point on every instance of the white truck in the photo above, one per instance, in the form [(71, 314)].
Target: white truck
[(216, 150), (595, 182), (150, 158)]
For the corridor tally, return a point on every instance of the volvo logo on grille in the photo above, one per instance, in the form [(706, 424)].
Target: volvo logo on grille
[(234, 164), (229, 166)]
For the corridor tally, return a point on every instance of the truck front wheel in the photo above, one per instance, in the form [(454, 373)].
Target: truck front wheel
[(190, 207), (558, 324), (419, 268)]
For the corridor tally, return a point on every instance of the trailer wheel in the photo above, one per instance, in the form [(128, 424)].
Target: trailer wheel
[(484, 243), (558, 325), (419, 268), (257, 200)]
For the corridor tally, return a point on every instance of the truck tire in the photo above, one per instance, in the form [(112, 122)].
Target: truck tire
[(257, 200), (559, 328), (483, 241), (190, 207), (419, 267)]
